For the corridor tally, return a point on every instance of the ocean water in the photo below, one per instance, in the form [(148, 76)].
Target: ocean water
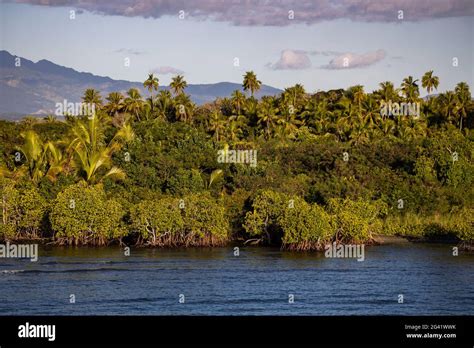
[(260, 281)]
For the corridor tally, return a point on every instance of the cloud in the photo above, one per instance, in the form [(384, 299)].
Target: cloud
[(273, 13), (325, 53), (129, 51), (291, 60), (353, 60), (165, 70)]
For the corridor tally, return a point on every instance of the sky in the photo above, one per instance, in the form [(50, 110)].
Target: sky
[(321, 44)]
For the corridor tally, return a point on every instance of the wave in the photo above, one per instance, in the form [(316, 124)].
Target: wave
[(12, 271), (76, 270)]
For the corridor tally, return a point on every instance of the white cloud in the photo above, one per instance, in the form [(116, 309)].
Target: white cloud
[(354, 60), (165, 70), (274, 13), (292, 60)]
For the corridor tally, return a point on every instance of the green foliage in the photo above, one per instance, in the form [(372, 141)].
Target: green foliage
[(156, 220), (355, 221), (23, 211), (82, 214), (344, 165), (267, 207), (305, 226), (205, 218), (185, 182), (195, 220)]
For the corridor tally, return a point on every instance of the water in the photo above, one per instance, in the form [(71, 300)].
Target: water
[(258, 282)]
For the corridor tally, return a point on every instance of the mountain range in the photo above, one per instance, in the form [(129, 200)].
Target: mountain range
[(35, 88)]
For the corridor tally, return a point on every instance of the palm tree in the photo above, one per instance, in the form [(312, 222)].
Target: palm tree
[(92, 97), (43, 159), (233, 131), (267, 115), (216, 124), (184, 108), (164, 104), (115, 103), (134, 102), (429, 81), (463, 101), (238, 100), (288, 126), (387, 92), (151, 83), (251, 83), (33, 150), (447, 105), (50, 119), (358, 95), (410, 89), (178, 84), (29, 121), (91, 154), (294, 96)]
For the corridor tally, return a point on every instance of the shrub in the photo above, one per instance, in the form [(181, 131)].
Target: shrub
[(23, 211), (355, 221), (195, 220), (305, 226), (82, 214), (157, 222), (205, 222), (262, 220)]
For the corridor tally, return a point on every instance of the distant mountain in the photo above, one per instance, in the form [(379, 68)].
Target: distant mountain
[(35, 88)]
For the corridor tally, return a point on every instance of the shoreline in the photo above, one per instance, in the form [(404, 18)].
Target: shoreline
[(377, 240)]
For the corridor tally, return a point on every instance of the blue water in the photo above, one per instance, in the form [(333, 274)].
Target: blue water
[(258, 282)]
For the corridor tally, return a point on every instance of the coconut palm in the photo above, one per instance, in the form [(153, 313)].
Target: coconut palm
[(91, 154), (92, 97), (463, 101), (184, 108), (251, 83), (115, 103), (151, 83), (387, 92), (357, 95), (29, 121), (233, 132), (238, 100), (429, 81), (42, 159), (134, 102), (410, 89), (295, 96), (50, 119), (216, 124), (447, 105), (163, 105), (267, 116), (178, 84)]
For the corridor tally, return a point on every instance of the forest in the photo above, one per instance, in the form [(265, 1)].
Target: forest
[(332, 166)]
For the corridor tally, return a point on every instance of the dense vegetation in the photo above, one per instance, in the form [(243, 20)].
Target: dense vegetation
[(331, 167)]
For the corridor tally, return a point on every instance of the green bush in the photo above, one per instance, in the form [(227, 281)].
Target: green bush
[(267, 207), (205, 222), (195, 220), (23, 211), (158, 221), (82, 214), (355, 221), (305, 226)]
